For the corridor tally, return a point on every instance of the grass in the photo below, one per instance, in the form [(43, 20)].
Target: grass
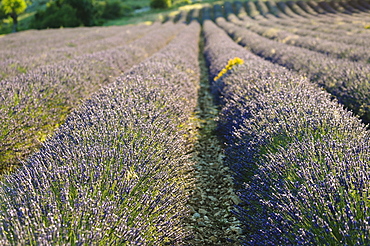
[(147, 17), (153, 15)]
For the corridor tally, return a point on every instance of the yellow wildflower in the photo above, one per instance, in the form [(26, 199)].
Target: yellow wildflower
[(229, 66)]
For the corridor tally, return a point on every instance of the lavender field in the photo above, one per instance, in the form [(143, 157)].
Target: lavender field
[(242, 123)]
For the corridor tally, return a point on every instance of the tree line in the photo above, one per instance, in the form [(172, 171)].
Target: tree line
[(64, 13)]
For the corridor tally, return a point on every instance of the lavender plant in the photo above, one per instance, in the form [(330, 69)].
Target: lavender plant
[(251, 9), (262, 8), (347, 81), (330, 48), (239, 9), (32, 50), (286, 10), (291, 26), (301, 161), (357, 5), (37, 103), (364, 3), (273, 8), (297, 9), (329, 23), (314, 5), (328, 8), (347, 7), (304, 6), (206, 14), (116, 172), (218, 11)]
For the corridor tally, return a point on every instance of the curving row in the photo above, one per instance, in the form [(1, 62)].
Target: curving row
[(347, 81), (308, 15), (352, 12), (37, 102), (300, 161), (315, 23), (323, 23), (311, 30), (27, 51), (116, 172), (335, 49)]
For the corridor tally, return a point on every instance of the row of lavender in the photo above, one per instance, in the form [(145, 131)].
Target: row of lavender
[(300, 160), (302, 15), (36, 103), (307, 9), (116, 173), (325, 26), (43, 40), (25, 51), (352, 23), (344, 37), (336, 49), (314, 31), (332, 27), (347, 81)]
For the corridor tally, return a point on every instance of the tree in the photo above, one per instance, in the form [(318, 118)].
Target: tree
[(14, 8), (160, 4), (86, 10), (67, 13), (56, 16)]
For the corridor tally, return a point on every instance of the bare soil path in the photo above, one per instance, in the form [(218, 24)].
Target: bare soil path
[(211, 221)]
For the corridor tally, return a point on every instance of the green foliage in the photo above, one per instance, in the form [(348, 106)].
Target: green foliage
[(160, 4), (181, 2), (2, 12), (66, 13), (85, 10), (14, 7), (73, 13), (55, 17), (115, 9)]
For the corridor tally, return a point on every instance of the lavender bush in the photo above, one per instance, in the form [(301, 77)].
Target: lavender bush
[(364, 3), (239, 9), (347, 81), (218, 11), (301, 30), (324, 23), (36, 103), (273, 9), (297, 9), (206, 14), (328, 25), (286, 10), (330, 48), (357, 5), (307, 8), (24, 52), (251, 9), (327, 7), (347, 7), (314, 5), (116, 172), (301, 161), (262, 8)]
